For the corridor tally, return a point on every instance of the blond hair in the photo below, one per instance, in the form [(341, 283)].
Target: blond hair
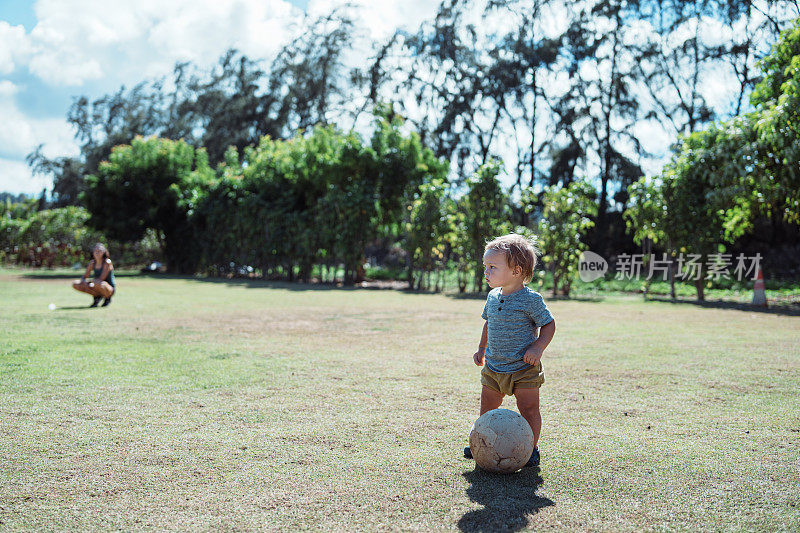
[(520, 252)]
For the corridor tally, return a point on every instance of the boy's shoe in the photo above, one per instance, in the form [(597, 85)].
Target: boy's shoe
[(534, 460), (106, 302), (96, 301)]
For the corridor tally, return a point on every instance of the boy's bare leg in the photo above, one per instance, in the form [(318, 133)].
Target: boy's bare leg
[(528, 405), (490, 399)]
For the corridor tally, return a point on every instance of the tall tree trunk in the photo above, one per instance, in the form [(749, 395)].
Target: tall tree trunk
[(671, 270), (533, 133), (478, 282), (699, 284), (611, 98), (555, 281)]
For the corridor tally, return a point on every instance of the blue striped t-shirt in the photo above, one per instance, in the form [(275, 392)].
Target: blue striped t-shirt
[(513, 322)]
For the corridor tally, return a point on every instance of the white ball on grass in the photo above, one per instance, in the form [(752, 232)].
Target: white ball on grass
[(501, 441), (52, 307)]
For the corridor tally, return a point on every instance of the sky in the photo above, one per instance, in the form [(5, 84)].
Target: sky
[(54, 50)]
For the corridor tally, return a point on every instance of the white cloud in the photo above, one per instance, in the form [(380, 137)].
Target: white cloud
[(13, 46), (20, 134), (118, 42), (15, 177), (381, 18), (76, 41)]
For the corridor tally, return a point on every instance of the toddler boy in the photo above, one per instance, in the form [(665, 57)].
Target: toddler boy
[(517, 330)]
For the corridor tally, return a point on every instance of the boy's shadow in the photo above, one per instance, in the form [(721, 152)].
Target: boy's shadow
[(507, 499)]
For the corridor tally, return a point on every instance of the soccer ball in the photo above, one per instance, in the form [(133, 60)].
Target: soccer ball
[(501, 441)]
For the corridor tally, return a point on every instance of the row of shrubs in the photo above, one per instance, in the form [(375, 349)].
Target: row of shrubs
[(61, 238)]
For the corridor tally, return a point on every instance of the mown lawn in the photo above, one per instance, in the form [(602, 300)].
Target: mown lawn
[(205, 405)]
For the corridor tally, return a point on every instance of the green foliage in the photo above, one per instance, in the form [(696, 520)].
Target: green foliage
[(566, 217), (413, 192), (699, 200), (691, 219), (722, 178), (52, 237), (151, 184), (486, 215), (402, 163), (426, 227), (646, 210), (318, 199), (777, 126)]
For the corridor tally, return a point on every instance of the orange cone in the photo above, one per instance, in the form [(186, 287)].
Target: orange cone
[(759, 296)]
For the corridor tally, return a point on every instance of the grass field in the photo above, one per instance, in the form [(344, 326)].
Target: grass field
[(235, 405)]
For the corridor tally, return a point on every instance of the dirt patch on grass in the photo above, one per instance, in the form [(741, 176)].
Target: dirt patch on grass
[(307, 322)]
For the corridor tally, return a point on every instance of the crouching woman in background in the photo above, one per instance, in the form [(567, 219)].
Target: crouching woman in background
[(102, 283)]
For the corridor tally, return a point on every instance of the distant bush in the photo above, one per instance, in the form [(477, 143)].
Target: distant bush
[(59, 237)]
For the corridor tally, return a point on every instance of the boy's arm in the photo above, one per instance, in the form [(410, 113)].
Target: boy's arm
[(534, 353), (478, 356)]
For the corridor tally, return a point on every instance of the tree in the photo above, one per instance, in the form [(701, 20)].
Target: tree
[(307, 83), (425, 229), (402, 164), (67, 173), (645, 219), (672, 59), (675, 58), (471, 92), (761, 22), (486, 215), (600, 107), (151, 184), (722, 178), (699, 201), (49, 237), (221, 108), (521, 62), (566, 217), (316, 199), (777, 126)]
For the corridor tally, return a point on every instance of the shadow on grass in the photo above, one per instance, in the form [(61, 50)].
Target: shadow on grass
[(549, 298), (74, 275), (507, 500), (788, 310), (295, 286), (299, 286), (74, 307)]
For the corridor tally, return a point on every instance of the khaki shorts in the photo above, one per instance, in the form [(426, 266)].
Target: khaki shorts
[(527, 378)]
